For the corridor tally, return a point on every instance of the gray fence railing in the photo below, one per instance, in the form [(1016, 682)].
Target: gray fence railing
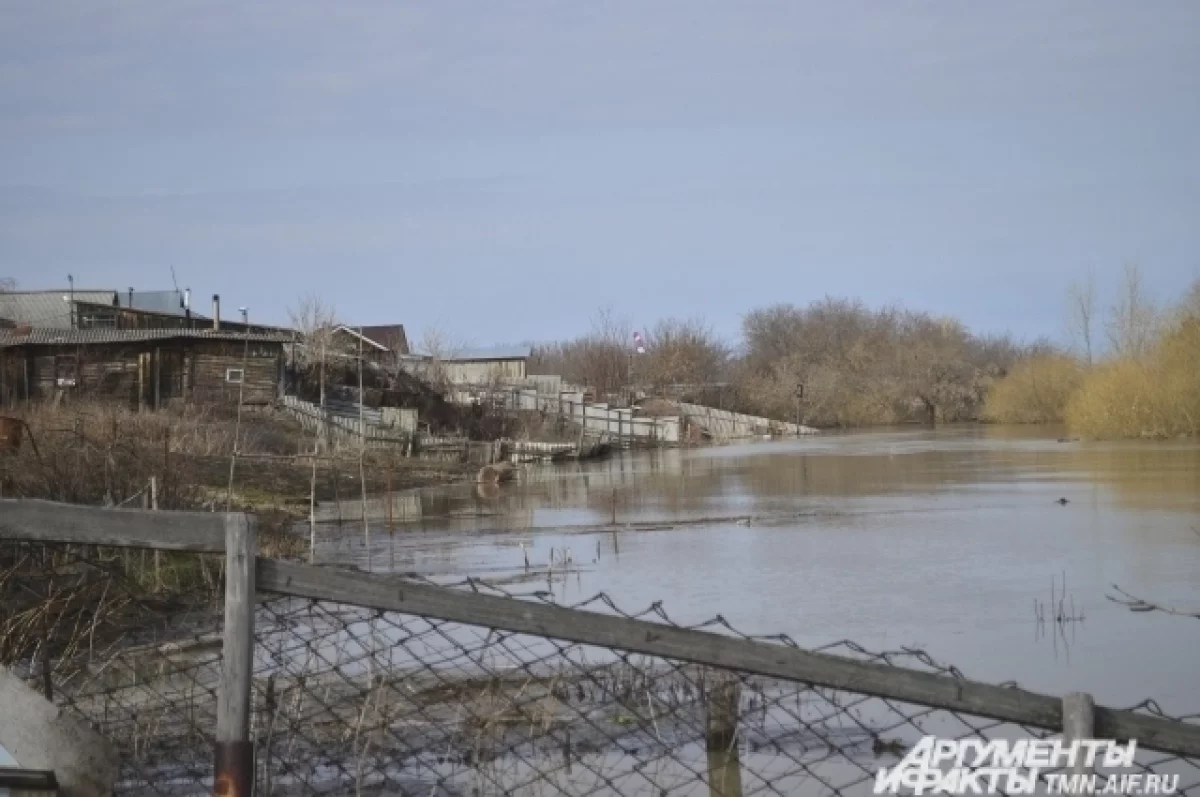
[(211, 669)]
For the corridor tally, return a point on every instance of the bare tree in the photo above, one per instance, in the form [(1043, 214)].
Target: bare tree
[(607, 352), (439, 345), (1133, 319), (681, 352), (7, 284), (315, 321), (600, 360), (1081, 315), (859, 365)]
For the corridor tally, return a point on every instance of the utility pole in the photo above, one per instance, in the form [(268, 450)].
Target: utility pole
[(799, 399)]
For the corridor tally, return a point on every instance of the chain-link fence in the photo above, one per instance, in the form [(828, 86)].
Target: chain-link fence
[(128, 639), (354, 700), (367, 684)]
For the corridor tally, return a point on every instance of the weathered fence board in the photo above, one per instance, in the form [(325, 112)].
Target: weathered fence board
[(779, 661), (48, 521)]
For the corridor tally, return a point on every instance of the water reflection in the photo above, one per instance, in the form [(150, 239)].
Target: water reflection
[(938, 539)]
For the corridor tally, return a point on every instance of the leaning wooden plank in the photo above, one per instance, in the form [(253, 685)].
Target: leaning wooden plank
[(43, 736), (47, 521), (761, 658)]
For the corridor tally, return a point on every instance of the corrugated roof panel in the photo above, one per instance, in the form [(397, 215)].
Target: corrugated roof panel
[(47, 308), (84, 337)]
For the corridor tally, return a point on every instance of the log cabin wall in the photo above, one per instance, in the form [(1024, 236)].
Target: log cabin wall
[(215, 366), (12, 378), (145, 375)]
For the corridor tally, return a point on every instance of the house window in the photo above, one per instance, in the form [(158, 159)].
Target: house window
[(235, 375)]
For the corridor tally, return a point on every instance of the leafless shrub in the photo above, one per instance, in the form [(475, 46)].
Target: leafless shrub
[(438, 345), (681, 352), (599, 360), (1133, 321), (861, 366), (1081, 316)]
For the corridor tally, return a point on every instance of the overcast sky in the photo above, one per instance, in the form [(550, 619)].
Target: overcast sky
[(503, 169)]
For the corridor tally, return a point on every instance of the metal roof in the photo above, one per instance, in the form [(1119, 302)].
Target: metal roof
[(491, 353), (86, 337), (47, 308), (153, 301)]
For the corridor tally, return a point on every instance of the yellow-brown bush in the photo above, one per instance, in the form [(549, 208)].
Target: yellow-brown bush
[(1158, 396), (1036, 390)]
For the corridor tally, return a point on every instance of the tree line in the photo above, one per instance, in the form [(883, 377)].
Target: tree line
[(1129, 369), (834, 362), (1133, 369)]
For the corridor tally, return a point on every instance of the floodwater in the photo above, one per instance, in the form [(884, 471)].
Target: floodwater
[(944, 540)]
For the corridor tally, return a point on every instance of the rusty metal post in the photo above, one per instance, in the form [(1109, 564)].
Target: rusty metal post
[(234, 774), (234, 769)]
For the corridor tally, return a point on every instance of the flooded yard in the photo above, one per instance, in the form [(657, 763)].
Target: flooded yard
[(948, 540)]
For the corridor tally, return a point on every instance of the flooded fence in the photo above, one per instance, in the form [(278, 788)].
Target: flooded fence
[(619, 425), (726, 425), (624, 424), (211, 670)]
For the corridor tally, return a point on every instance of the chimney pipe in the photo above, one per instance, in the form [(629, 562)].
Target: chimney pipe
[(216, 311), (187, 302)]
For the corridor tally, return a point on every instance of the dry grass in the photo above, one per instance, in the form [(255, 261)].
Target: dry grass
[(1036, 390), (96, 453), (1158, 396)]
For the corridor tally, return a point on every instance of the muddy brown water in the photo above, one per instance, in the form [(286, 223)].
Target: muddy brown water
[(941, 539)]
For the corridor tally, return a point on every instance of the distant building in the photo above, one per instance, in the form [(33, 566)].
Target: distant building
[(380, 341), (391, 336), (486, 366)]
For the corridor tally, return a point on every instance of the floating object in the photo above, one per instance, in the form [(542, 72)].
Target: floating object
[(495, 474), (1062, 502)]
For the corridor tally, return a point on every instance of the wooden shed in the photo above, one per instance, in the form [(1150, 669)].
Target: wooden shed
[(145, 368)]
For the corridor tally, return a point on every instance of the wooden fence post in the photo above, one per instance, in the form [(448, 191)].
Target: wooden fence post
[(234, 751), (1079, 723), (721, 738)]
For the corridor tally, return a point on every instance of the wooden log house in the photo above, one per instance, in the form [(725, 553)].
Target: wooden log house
[(147, 368)]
